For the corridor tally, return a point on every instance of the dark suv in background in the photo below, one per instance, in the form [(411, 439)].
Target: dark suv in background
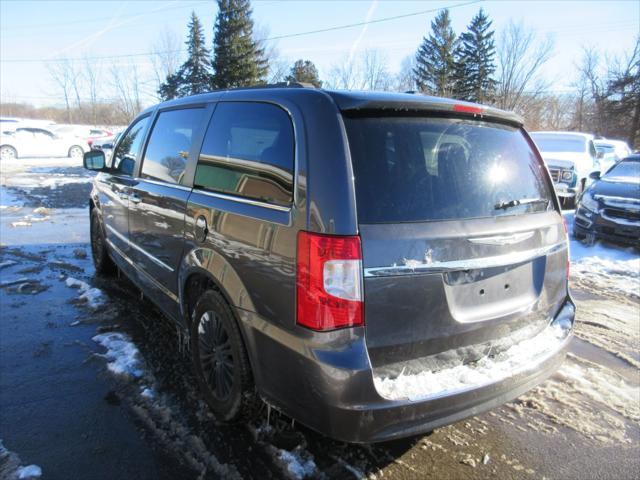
[(374, 265)]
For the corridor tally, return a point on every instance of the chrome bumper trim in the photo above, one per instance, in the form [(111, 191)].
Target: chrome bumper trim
[(468, 264)]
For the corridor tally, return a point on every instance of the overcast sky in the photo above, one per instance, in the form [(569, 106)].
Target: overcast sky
[(34, 30)]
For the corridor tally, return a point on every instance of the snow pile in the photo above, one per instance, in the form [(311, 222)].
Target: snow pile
[(616, 267), (587, 397), (622, 275), (52, 181), (603, 386), (123, 354), (11, 469), (93, 297), (30, 471), (148, 393), (295, 463), (488, 369)]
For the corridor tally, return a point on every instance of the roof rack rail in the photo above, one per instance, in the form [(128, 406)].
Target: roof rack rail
[(289, 85), (272, 85)]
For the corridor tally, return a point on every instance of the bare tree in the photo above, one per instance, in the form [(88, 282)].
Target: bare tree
[(61, 72), (92, 73), (278, 65), (343, 75), (520, 58), (590, 76), (365, 71), (165, 56), (405, 81), (374, 71), (126, 84)]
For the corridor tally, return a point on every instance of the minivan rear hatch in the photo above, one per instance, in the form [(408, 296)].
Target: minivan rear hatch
[(464, 250)]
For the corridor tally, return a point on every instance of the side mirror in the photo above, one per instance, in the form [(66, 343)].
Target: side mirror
[(94, 160), (594, 175)]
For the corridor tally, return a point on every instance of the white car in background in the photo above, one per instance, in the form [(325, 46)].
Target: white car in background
[(39, 142), (618, 147), (570, 158), (106, 144), (10, 124)]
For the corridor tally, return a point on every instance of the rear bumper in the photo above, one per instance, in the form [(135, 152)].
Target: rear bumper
[(588, 222), (332, 390)]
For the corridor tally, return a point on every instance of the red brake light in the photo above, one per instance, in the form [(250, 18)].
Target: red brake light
[(467, 109), (329, 281)]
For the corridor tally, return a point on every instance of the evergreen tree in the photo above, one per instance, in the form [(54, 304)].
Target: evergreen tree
[(475, 61), (434, 70), (304, 71), (238, 60), (194, 75), (169, 89)]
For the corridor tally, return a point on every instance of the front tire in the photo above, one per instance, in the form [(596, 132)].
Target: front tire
[(7, 152), (220, 360), (101, 260)]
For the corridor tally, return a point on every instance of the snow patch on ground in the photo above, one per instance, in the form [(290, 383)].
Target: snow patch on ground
[(123, 354), (617, 267), (586, 397), (297, 463), (148, 393), (51, 181), (30, 471), (10, 468), (488, 369), (93, 297)]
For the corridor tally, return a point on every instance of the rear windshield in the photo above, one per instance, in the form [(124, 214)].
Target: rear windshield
[(422, 169), (629, 170), (556, 143)]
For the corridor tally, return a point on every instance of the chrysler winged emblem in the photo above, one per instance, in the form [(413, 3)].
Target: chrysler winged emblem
[(501, 240)]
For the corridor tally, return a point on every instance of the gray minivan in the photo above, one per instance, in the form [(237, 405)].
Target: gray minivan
[(374, 265)]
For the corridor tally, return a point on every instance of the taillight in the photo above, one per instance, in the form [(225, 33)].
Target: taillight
[(329, 281)]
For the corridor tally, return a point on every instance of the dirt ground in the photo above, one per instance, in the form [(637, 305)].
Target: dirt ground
[(63, 409)]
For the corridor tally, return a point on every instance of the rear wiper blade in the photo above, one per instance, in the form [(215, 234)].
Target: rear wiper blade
[(522, 201)]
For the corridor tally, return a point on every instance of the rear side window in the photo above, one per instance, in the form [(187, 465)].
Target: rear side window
[(422, 169), (248, 151), (169, 144), (124, 158)]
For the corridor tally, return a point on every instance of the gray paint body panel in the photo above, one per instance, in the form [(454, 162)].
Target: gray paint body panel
[(325, 380)]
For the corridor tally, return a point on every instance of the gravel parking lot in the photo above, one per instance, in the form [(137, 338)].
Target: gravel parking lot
[(93, 384)]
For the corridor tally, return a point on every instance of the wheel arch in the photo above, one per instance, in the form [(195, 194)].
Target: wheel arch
[(75, 145), (10, 146), (196, 277)]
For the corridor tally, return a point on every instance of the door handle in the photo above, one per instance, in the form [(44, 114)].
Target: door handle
[(201, 229), (135, 198)]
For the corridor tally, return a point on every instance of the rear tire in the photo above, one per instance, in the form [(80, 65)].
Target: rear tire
[(76, 152), (220, 360), (7, 152), (101, 260)]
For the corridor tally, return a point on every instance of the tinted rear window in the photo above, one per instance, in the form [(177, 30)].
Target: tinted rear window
[(421, 169)]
